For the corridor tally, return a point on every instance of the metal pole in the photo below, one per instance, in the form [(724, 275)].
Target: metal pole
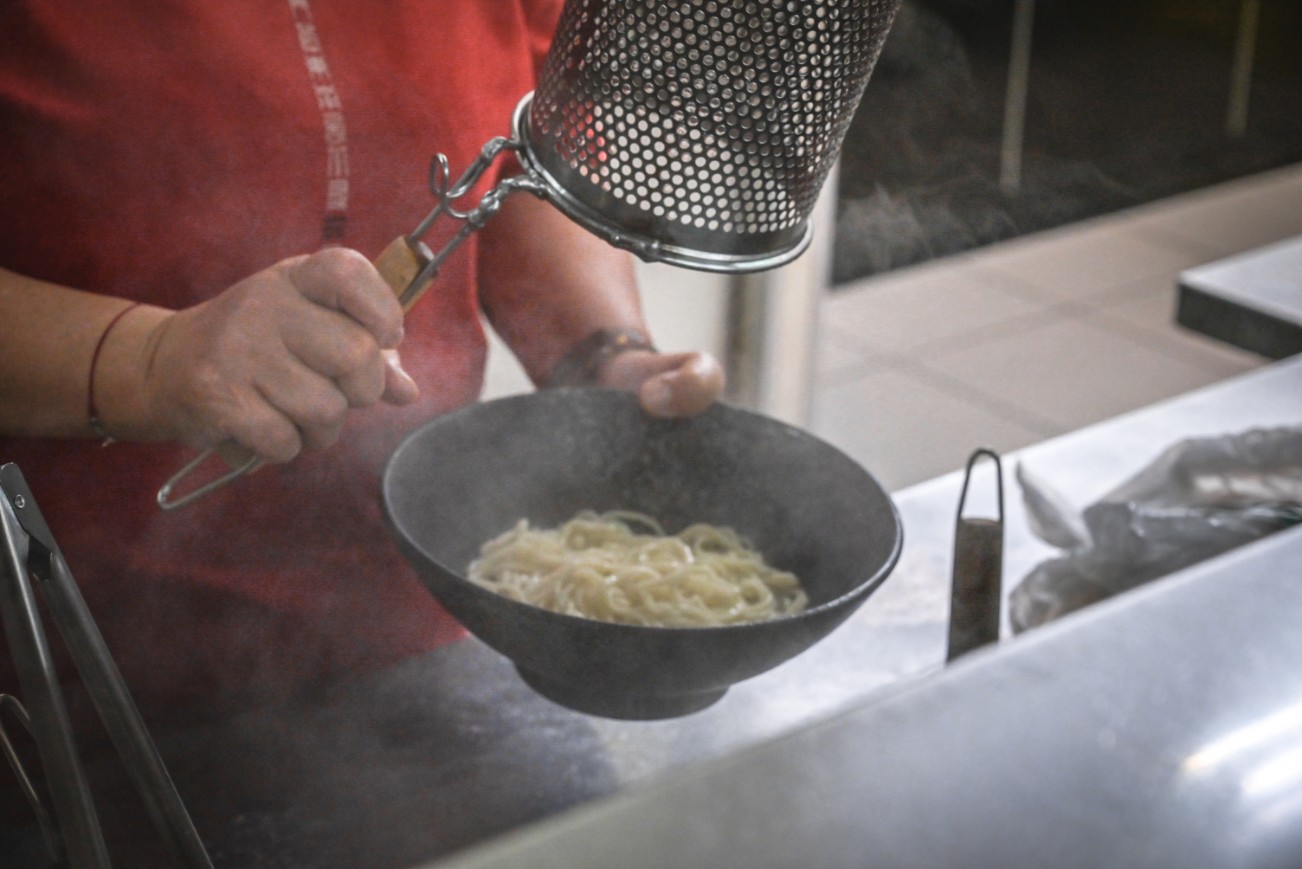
[(1245, 47), (773, 324), (1019, 72)]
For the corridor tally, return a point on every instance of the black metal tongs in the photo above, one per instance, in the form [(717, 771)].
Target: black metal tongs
[(73, 835)]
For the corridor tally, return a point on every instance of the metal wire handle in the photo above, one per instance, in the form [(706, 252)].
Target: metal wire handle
[(473, 219), (693, 132), (409, 289), (167, 502)]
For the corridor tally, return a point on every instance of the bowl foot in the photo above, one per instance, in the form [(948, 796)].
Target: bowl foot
[(623, 705)]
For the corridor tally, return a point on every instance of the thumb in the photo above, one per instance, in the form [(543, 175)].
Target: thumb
[(399, 387), (685, 390)]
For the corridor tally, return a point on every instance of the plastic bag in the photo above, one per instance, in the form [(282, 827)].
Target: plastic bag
[(1199, 498)]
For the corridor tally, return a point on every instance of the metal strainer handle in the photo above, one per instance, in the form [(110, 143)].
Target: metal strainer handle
[(697, 133), (407, 265)]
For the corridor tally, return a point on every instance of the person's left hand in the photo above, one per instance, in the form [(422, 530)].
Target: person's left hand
[(667, 384)]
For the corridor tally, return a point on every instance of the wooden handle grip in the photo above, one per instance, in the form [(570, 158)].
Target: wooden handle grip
[(400, 264)]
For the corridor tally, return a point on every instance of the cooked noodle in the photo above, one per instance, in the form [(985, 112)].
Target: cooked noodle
[(598, 566)]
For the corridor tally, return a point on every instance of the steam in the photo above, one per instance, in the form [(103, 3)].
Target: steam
[(919, 176)]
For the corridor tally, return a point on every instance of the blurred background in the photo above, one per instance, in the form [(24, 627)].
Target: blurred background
[(1124, 103)]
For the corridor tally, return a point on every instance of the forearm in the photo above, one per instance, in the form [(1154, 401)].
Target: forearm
[(48, 337), (546, 284)]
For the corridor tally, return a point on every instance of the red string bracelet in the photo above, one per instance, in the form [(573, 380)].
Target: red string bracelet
[(96, 424)]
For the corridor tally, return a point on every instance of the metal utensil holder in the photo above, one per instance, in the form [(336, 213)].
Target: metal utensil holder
[(976, 595), (73, 835)]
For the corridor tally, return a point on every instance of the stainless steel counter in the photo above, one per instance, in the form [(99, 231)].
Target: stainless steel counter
[(1161, 729), (1252, 300), (451, 750)]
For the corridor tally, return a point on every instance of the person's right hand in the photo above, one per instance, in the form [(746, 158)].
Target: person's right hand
[(275, 361)]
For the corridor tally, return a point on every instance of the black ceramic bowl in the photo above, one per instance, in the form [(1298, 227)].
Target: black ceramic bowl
[(470, 475)]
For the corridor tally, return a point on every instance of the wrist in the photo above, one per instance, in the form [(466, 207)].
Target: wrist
[(119, 404), (584, 363)]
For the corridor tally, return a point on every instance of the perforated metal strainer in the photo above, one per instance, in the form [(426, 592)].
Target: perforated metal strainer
[(700, 132), (691, 132)]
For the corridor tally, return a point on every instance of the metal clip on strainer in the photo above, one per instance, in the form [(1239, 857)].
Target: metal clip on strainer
[(696, 133)]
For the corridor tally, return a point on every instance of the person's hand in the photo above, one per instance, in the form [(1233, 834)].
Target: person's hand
[(667, 384), (275, 361)]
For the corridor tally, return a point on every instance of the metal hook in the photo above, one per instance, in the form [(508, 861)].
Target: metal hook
[(999, 479), (167, 502), (440, 174), (419, 268)]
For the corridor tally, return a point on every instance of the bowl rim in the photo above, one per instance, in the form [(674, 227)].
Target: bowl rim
[(860, 589)]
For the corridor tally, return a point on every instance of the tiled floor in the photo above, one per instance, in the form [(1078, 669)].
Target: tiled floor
[(1014, 343)]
